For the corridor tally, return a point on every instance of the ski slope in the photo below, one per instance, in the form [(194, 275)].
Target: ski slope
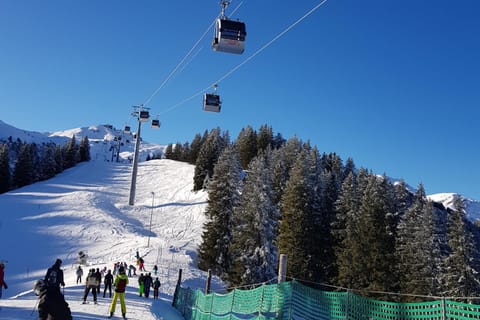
[(86, 209)]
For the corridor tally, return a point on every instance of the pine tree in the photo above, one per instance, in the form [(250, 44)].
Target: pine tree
[(254, 254), (4, 168), (195, 147), (264, 138), (296, 221), (373, 259), (169, 151), (346, 232), (207, 158), (48, 164), (177, 152), (247, 145), (415, 246), (223, 196), (59, 159), (283, 160), (23, 171), (462, 275), (84, 149), (70, 153)]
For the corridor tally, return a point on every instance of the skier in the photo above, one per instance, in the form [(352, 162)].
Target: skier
[(108, 281), (3, 284), (147, 283), (91, 283), (155, 269), (141, 284), (130, 269), (79, 274), (120, 283), (98, 275), (54, 276), (156, 285), (51, 303)]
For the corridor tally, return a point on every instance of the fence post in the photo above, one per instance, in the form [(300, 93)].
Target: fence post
[(282, 268), (177, 287), (209, 280), (261, 300), (444, 309)]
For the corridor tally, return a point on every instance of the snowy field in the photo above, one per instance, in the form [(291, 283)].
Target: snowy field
[(86, 209)]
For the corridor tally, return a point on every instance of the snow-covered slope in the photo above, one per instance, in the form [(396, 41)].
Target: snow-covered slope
[(85, 208), (472, 207)]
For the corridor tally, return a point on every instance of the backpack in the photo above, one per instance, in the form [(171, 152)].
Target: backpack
[(52, 278), (121, 284)]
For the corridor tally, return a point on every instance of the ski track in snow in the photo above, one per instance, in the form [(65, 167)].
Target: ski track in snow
[(86, 209)]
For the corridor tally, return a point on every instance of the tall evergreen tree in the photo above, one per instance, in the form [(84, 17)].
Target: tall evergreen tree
[(462, 278), (23, 172), (374, 257), (253, 251), (207, 158), (223, 196), (296, 221), (177, 152), (414, 247), (48, 164), (70, 153), (195, 147), (264, 138), (84, 149), (346, 233), (283, 160), (247, 145), (4, 168), (169, 152), (59, 159)]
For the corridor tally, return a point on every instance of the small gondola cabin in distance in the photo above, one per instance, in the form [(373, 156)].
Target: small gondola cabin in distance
[(155, 123), (211, 102)]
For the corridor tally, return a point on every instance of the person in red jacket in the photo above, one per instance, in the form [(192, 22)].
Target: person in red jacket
[(3, 284)]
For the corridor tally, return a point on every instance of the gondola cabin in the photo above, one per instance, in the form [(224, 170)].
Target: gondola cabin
[(211, 102), (155, 123), (143, 116), (229, 36), (126, 129)]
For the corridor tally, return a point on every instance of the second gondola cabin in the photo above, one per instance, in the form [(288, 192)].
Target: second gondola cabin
[(211, 102), (229, 36), (155, 123), (143, 116)]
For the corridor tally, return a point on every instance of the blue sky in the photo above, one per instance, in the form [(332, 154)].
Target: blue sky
[(393, 84)]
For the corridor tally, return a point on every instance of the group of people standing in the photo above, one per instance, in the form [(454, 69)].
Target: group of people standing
[(51, 301), (145, 282), (52, 304), (93, 282)]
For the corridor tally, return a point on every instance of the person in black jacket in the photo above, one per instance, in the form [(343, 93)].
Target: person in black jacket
[(51, 303), (108, 281), (54, 276)]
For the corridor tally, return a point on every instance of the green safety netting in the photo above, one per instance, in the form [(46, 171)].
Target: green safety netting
[(293, 300)]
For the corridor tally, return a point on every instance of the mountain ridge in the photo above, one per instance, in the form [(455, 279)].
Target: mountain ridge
[(103, 137)]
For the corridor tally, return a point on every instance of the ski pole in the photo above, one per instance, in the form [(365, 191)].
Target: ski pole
[(34, 307)]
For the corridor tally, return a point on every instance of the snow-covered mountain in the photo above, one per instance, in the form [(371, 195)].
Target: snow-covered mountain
[(102, 138)]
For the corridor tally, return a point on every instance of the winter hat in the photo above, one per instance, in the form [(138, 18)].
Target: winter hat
[(58, 262), (121, 269), (38, 286)]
